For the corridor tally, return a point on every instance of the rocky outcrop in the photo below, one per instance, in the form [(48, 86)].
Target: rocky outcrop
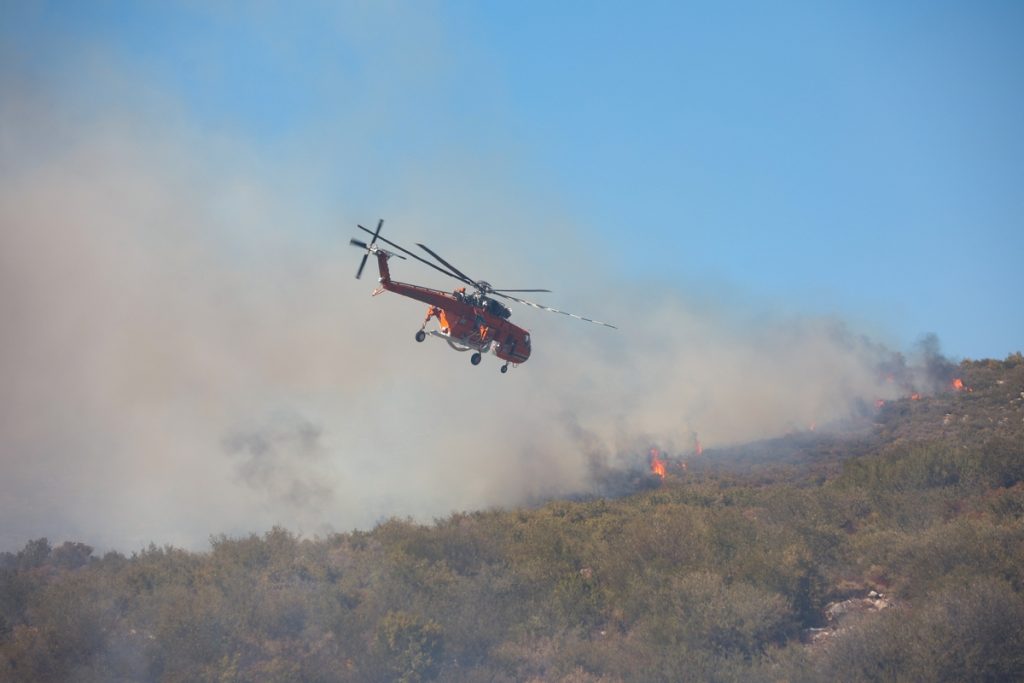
[(839, 613)]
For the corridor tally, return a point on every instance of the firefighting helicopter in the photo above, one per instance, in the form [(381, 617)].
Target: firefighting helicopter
[(472, 321)]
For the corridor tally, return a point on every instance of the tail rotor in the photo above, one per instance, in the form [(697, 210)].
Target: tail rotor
[(368, 247)]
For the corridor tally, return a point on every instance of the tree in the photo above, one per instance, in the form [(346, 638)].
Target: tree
[(69, 555), (35, 554)]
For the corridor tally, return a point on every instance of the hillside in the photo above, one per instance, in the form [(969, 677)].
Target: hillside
[(889, 549)]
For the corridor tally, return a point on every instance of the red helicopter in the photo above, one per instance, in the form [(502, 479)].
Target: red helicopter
[(467, 321)]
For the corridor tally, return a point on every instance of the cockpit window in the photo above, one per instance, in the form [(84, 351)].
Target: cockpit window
[(497, 309)]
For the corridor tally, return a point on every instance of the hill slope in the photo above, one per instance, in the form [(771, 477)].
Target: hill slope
[(894, 552)]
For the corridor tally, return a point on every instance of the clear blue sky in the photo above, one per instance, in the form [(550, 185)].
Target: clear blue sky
[(864, 159)]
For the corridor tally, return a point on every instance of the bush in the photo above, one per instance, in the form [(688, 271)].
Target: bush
[(409, 647), (973, 631)]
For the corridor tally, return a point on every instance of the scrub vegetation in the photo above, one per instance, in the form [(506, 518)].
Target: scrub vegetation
[(892, 554)]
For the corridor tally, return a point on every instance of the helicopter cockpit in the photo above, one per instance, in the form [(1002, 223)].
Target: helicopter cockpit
[(494, 308), (490, 305)]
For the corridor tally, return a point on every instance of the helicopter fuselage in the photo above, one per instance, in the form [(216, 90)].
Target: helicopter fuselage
[(470, 321)]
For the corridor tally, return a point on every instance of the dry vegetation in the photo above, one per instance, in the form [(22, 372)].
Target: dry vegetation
[(729, 573)]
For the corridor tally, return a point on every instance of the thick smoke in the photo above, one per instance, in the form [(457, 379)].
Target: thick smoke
[(184, 352)]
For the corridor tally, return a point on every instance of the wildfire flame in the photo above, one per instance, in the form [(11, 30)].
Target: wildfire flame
[(958, 384), (879, 403), (915, 396), (657, 464), (698, 448)]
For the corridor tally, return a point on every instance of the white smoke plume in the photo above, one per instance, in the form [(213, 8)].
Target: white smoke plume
[(184, 350)]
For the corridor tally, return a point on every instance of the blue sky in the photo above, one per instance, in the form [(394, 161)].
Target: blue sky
[(863, 160)]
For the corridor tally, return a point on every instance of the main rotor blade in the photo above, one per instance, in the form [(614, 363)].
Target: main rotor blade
[(555, 310), (362, 264), (520, 290), (380, 224), (465, 277), (418, 258)]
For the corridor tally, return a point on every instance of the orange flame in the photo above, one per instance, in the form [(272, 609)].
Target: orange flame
[(879, 403), (958, 384), (657, 464), (915, 396), (698, 448)]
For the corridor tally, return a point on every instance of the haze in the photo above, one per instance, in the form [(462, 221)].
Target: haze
[(185, 351)]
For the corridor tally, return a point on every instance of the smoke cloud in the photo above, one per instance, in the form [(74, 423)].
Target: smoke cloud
[(184, 351), (284, 460)]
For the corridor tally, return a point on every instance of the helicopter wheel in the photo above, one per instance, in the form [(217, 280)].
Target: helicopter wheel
[(421, 335), (504, 368), (475, 359)]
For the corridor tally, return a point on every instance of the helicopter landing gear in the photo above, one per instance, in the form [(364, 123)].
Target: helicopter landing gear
[(421, 335), (475, 358), (504, 368)]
